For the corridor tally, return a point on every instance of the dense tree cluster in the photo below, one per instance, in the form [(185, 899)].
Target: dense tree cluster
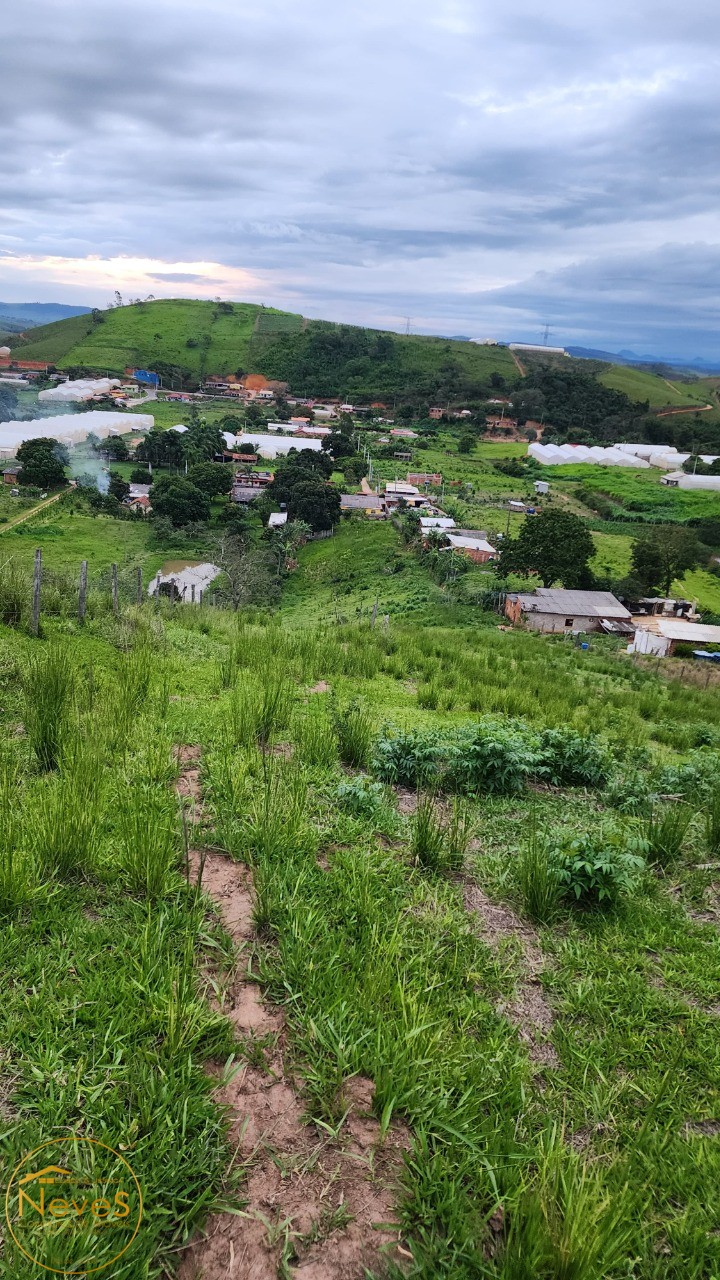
[(556, 545), (42, 462), (302, 485)]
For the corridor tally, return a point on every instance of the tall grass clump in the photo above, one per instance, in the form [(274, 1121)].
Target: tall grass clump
[(353, 731), (537, 879), (14, 880), (258, 709), (313, 734), (66, 814), (567, 1226), (14, 593), (438, 844), (665, 832), (47, 684), (427, 835), (148, 839), (712, 823)]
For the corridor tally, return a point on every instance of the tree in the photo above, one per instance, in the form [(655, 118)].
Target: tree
[(338, 445), (161, 448), (314, 502), (42, 462), (253, 414), (118, 487), (114, 447), (466, 443), (555, 545), (139, 475), (662, 554), (202, 442), (250, 573), (282, 409), (179, 500), (212, 477)]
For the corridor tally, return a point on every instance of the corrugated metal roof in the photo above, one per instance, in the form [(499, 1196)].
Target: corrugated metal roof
[(678, 629), (583, 604), (361, 501)]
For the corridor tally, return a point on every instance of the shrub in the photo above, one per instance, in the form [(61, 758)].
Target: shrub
[(597, 868), (489, 756), (361, 797), (698, 778), (567, 758)]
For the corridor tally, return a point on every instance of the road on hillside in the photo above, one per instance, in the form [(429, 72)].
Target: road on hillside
[(25, 515)]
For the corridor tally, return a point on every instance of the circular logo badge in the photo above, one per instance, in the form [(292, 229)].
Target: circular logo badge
[(73, 1206)]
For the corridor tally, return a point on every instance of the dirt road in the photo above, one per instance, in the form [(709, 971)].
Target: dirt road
[(26, 515)]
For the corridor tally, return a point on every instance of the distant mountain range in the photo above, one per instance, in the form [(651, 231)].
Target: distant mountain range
[(697, 364), (18, 316)]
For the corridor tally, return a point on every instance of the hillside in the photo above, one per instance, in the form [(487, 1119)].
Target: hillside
[(202, 338), (659, 392)]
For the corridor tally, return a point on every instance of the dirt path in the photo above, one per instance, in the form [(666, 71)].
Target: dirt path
[(26, 515), (317, 1205), (669, 413), (528, 1008), (518, 364)]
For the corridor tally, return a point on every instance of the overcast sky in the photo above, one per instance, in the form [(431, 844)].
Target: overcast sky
[(479, 168)]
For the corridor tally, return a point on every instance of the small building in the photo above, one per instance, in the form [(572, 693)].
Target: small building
[(557, 611), (10, 475), (515, 505), (661, 636), (276, 519), (424, 477), (397, 491), (473, 545), (372, 504), (139, 491), (141, 503), (427, 523), (541, 486), (403, 457), (403, 433), (435, 413)]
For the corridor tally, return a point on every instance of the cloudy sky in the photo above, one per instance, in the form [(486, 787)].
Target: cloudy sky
[(478, 168)]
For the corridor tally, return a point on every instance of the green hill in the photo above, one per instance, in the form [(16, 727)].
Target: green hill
[(198, 339), (660, 392)]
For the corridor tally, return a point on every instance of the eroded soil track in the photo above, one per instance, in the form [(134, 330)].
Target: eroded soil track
[(318, 1206)]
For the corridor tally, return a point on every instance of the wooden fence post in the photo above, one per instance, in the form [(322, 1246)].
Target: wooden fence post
[(192, 593), (37, 581), (115, 588), (139, 586), (82, 598)]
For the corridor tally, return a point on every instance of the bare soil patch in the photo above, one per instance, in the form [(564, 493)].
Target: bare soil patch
[(322, 686), (527, 1008), (187, 784), (319, 1207), (407, 801)]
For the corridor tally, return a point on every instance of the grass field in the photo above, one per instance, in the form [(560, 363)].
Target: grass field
[(549, 1065)]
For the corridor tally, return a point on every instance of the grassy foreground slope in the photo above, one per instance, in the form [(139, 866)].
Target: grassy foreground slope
[(562, 1111)]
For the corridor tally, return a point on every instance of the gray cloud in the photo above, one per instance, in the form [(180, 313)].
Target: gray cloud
[(481, 169)]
